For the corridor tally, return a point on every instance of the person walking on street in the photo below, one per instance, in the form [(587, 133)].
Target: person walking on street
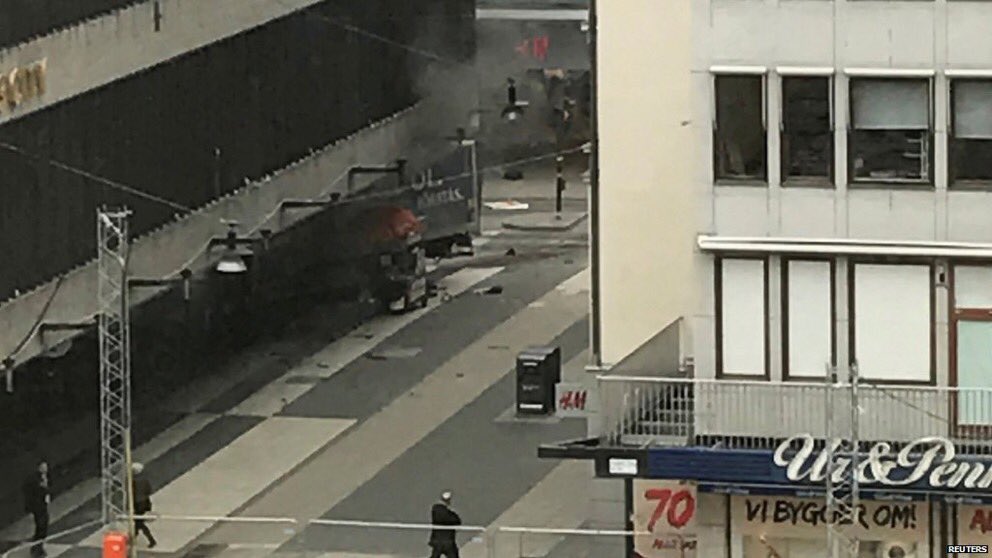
[(142, 491), (37, 496), (443, 541)]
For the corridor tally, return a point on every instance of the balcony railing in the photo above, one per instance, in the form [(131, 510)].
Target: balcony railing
[(759, 415)]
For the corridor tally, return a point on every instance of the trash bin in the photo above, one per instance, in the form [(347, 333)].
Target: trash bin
[(538, 370)]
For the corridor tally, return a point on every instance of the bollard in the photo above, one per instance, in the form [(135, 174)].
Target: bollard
[(559, 182)]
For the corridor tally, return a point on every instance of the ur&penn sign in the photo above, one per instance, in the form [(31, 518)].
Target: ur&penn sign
[(930, 462)]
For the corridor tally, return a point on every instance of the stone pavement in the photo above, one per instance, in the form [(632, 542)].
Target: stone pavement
[(348, 436)]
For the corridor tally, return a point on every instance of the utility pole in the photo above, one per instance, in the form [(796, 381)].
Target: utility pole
[(842, 440), (115, 362)]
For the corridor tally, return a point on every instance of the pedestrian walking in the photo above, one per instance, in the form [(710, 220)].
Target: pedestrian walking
[(37, 496), (142, 492), (443, 541)]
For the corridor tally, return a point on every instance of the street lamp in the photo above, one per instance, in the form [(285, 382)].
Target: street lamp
[(514, 109), (232, 262)]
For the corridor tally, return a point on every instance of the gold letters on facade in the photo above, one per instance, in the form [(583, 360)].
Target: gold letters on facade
[(21, 85)]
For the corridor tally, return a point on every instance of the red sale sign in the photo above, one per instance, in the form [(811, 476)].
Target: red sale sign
[(665, 511)]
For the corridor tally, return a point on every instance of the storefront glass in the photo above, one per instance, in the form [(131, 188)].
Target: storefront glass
[(783, 527)]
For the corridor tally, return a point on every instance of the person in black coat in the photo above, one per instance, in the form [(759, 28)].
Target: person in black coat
[(142, 493), (36, 499), (443, 541)]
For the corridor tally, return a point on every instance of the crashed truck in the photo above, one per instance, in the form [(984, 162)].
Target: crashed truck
[(387, 229)]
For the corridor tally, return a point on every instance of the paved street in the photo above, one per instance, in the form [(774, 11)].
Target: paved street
[(375, 425)]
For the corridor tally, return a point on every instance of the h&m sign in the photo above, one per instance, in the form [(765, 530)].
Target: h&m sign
[(926, 463), (21, 85)]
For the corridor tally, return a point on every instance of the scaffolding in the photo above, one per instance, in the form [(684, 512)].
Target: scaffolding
[(842, 444), (115, 362)]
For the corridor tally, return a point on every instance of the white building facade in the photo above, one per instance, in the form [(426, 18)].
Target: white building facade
[(786, 189)]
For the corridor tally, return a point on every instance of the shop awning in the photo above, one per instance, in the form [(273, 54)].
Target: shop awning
[(844, 247)]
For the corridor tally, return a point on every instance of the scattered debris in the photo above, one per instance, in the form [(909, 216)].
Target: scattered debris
[(507, 205), (323, 365), (493, 290), (536, 304), (499, 347), (511, 252), (459, 375), (394, 353)]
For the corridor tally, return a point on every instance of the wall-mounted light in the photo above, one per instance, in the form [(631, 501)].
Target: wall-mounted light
[(232, 261)]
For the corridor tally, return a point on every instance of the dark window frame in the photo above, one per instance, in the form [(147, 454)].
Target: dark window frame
[(824, 181), (761, 179), (853, 134), (954, 145), (718, 317), (852, 313)]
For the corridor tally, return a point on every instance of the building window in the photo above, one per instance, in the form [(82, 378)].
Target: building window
[(971, 131), (807, 136), (807, 318), (972, 336), (739, 145), (890, 130), (741, 317), (892, 322)]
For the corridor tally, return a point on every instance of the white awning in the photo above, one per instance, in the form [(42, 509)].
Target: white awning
[(532, 14), (844, 247)]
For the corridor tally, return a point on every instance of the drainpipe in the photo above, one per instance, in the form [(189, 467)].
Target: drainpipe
[(595, 335)]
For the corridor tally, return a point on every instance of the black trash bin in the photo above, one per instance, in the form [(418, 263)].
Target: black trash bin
[(538, 370)]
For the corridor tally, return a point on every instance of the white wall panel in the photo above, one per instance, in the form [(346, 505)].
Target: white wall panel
[(810, 318), (972, 287), (743, 320), (892, 321)]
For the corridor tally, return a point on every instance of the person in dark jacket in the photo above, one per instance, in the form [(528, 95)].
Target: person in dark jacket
[(37, 496), (443, 541), (142, 492)]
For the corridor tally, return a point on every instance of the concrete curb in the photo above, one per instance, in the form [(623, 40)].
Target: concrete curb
[(544, 222)]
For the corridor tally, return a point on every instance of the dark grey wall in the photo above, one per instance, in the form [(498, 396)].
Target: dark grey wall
[(265, 98), (21, 20)]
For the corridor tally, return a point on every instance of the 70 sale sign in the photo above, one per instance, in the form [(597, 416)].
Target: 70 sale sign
[(666, 512)]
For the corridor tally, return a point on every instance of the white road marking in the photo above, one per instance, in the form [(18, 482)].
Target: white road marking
[(229, 478), (68, 501), (272, 398), (337, 471)]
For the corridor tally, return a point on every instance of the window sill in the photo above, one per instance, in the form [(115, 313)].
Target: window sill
[(743, 182), (890, 185), (971, 185), (822, 182)]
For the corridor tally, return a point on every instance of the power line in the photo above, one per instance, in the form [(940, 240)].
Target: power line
[(37, 323), (375, 36), (102, 180)]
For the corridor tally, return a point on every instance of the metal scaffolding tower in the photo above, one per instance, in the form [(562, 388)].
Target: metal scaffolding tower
[(843, 498), (115, 361)]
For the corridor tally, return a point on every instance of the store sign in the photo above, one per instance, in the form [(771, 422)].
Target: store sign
[(21, 85), (974, 525), (929, 462), (783, 516), (665, 511), (574, 400)]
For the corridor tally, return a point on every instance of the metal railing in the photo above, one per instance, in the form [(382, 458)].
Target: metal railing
[(759, 415), (345, 537)]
